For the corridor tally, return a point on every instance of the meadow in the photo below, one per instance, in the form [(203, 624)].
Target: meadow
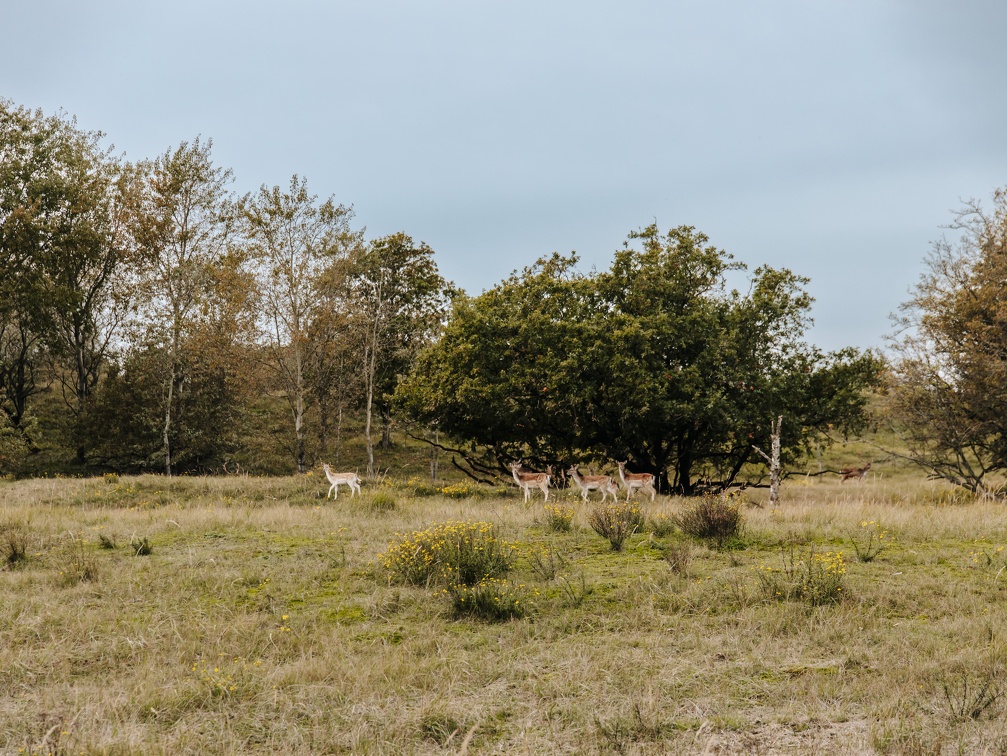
[(252, 615)]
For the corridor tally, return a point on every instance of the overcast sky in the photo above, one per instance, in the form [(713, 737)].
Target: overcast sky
[(831, 137)]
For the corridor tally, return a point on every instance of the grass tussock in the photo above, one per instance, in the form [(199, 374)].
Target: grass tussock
[(815, 578)]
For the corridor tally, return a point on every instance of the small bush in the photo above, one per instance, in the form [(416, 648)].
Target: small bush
[(818, 579), (76, 563), (14, 543), (970, 693), (661, 525), (559, 518), (106, 542), (713, 518), (490, 599), (382, 502), (869, 540), (141, 546), (616, 522), (679, 558), (546, 562), (453, 552)]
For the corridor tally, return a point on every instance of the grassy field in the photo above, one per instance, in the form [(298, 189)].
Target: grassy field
[(263, 619)]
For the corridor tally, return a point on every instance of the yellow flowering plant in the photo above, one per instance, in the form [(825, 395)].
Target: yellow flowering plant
[(449, 553)]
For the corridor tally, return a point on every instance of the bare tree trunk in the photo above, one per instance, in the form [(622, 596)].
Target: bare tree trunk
[(386, 431), (433, 456), (166, 431), (774, 462), (339, 429), (367, 423)]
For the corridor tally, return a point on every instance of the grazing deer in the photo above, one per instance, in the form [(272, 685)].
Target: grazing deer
[(588, 483), (529, 480), (854, 472), (351, 480), (643, 481)]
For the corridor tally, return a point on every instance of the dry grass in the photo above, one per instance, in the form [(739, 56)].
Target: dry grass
[(262, 622)]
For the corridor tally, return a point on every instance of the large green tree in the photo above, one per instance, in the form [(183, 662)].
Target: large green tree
[(655, 360), (65, 236), (948, 385)]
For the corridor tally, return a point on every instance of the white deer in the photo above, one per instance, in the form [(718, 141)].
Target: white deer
[(588, 483), (643, 481), (350, 480), (529, 480)]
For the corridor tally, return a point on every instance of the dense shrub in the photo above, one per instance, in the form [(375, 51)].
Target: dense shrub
[(713, 518), (450, 553)]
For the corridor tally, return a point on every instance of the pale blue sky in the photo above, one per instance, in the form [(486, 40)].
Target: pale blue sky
[(830, 137)]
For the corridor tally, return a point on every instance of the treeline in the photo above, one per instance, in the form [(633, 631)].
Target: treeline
[(149, 317), (160, 308)]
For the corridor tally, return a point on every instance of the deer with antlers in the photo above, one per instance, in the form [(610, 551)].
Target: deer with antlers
[(350, 480), (854, 472), (643, 481), (529, 480), (588, 483)]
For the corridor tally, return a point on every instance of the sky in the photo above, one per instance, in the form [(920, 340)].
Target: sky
[(833, 138)]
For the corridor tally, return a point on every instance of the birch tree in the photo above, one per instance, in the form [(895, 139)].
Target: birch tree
[(183, 217), (294, 240), (398, 301)]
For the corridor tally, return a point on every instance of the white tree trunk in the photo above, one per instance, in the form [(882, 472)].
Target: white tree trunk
[(774, 461)]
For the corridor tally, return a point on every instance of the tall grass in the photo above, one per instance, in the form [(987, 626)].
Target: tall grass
[(264, 621)]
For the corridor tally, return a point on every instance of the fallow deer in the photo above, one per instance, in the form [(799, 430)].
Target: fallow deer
[(350, 480)]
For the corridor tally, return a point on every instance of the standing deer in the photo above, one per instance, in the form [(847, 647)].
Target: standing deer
[(643, 481), (529, 480), (854, 472), (350, 480), (588, 483)]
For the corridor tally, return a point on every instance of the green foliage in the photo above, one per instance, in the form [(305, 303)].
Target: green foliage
[(450, 553), (616, 522), (654, 358), (383, 501), (661, 525), (714, 518), (63, 250), (141, 546)]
